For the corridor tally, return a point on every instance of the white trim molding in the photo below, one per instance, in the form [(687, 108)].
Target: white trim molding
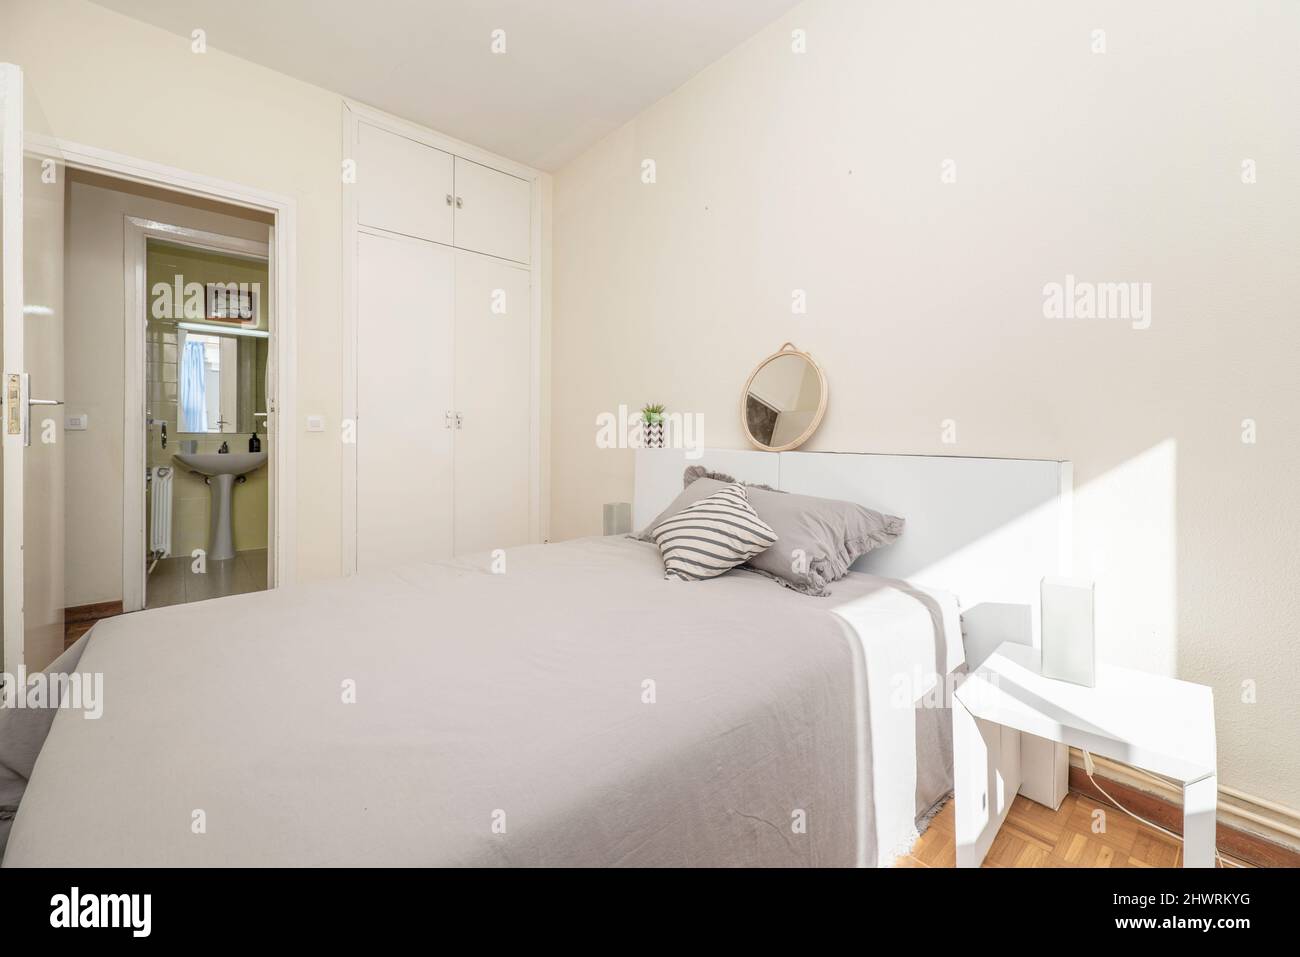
[(282, 424)]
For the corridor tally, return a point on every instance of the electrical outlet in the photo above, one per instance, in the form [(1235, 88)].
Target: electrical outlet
[(315, 423)]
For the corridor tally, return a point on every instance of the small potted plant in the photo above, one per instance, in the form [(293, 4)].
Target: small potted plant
[(652, 426)]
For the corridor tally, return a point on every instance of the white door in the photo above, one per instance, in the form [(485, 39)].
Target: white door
[(31, 354), (493, 211), (493, 398), (403, 186), (405, 414)]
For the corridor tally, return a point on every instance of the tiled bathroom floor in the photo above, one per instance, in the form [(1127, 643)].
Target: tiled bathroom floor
[(173, 582)]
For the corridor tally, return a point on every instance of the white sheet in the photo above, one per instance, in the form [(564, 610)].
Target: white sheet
[(901, 671)]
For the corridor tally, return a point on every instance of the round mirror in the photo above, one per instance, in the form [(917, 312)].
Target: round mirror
[(784, 400)]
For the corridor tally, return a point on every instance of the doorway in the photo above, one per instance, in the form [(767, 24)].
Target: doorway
[(169, 328), (207, 332), (206, 328)]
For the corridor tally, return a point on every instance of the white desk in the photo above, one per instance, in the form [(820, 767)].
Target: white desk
[(1160, 724)]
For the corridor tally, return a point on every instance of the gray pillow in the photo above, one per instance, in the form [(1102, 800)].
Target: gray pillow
[(694, 472), (817, 538), (824, 534)]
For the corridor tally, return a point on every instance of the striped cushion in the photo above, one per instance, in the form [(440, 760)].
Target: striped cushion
[(711, 536)]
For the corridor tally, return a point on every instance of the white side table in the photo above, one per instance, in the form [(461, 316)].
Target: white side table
[(1160, 724)]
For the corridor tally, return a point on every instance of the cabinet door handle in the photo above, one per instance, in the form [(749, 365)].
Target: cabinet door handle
[(449, 199), (459, 203), (446, 420), (459, 420)]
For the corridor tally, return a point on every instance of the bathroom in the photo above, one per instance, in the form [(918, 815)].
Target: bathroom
[(206, 357)]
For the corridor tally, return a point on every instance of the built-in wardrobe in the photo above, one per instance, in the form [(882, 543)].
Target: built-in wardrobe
[(443, 376)]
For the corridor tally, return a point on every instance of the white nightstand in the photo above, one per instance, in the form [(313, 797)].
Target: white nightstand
[(1160, 724)]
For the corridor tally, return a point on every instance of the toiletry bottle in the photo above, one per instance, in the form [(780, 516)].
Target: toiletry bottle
[(225, 447), (254, 443)]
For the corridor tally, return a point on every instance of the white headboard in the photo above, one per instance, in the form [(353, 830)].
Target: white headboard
[(659, 475), (986, 530)]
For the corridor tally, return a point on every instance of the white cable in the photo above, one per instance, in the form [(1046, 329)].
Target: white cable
[(1087, 769)]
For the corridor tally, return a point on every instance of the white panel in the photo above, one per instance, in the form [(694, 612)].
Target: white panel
[(989, 624), (977, 758), (493, 211), (403, 186), (1200, 801), (1008, 770), (986, 530), (405, 305), (493, 388), (1044, 770), (659, 475)]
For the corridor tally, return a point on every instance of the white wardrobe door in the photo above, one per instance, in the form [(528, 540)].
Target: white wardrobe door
[(405, 309), (403, 186), (493, 396), (493, 211)]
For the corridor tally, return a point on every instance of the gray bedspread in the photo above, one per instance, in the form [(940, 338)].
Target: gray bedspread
[(576, 709)]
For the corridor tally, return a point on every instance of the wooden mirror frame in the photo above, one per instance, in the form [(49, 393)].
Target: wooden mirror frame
[(788, 349)]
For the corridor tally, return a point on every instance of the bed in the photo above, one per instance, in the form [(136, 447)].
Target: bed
[(569, 709)]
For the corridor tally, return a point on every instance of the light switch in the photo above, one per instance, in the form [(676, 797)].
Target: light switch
[(76, 423), (315, 423)]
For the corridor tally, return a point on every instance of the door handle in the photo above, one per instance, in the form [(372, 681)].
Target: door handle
[(27, 416), (19, 402)]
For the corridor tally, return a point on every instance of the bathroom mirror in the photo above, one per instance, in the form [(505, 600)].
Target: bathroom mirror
[(784, 400), (220, 381)]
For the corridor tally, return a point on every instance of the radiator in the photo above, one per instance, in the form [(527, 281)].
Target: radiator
[(160, 526)]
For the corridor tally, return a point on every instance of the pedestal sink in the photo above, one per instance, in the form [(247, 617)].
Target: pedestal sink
[(221, 470)]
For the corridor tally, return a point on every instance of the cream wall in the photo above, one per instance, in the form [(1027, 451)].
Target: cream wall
[(94, 364), (821, 172), (93, 77)]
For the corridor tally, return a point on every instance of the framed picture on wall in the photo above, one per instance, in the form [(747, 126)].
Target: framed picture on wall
[(233, 302)]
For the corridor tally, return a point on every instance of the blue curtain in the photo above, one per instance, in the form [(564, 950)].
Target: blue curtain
[(194, 399)]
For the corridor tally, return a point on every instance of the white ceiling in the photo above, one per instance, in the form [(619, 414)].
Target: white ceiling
[(573, 71)]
